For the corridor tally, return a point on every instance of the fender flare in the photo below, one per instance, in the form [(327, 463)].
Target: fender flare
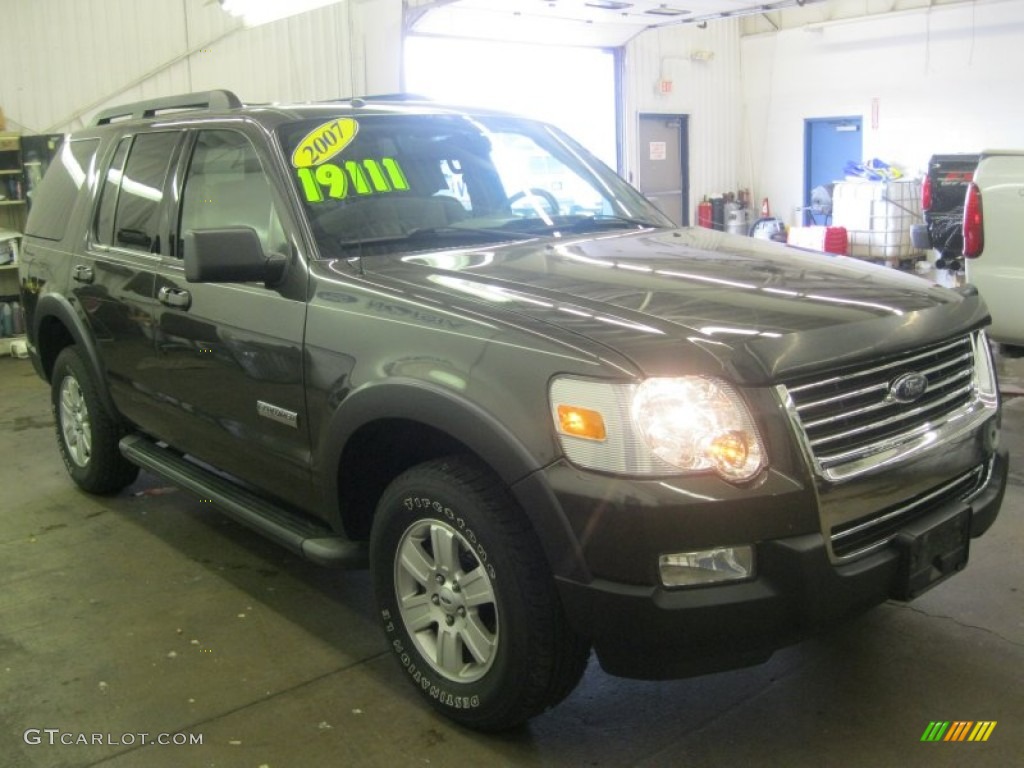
[(490, 440), (55, 306)]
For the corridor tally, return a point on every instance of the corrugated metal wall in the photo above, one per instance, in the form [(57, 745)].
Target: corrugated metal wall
[(65, 54), (65, 59), (300, 58), (704, 67)]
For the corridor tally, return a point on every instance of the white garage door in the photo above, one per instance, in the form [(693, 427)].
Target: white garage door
[(574, 88)]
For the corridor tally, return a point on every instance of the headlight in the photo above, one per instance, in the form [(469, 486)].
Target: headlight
[(657, 427), (696, 423)]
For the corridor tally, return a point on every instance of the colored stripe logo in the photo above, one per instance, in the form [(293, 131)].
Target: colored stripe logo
[(958, 730)]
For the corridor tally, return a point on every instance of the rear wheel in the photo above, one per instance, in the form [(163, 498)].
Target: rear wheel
[(467, 600), (86, 434)]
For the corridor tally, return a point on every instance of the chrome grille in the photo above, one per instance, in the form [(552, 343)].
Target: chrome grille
[(862, 535), (851, 414)]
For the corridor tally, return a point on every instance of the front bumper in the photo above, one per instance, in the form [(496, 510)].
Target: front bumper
[(658, 633)]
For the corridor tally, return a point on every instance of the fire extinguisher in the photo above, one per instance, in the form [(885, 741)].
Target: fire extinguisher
[(704, 214)]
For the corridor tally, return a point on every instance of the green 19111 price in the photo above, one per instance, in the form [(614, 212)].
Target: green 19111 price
[(339, 181)]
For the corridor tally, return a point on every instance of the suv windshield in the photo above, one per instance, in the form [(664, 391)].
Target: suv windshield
[(389, 183)]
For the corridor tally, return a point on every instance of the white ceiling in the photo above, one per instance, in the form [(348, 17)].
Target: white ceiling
[(605, 23)]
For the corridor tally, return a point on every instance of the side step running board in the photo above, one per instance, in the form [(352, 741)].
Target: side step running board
[(316, 543)]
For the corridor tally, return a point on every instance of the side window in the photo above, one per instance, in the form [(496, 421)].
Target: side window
[(129, 210), (108, 195), (137, 218), (136, 222), (226, 186), (59, 190)]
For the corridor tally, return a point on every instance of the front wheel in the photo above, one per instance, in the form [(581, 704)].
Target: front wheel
[(86, 434), (467, 600)]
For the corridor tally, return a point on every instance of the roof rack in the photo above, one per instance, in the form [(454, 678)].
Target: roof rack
[(358, 101), (208, 100)]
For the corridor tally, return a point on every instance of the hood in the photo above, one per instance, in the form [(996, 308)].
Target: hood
[(763, 311)]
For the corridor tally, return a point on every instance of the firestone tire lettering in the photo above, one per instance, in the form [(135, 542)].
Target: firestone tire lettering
[(518, 655)]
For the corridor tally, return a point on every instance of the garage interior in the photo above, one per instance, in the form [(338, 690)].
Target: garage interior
[(150, 612)]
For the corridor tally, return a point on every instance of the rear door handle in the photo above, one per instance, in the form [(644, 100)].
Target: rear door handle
[(82, 274), (175, 297)]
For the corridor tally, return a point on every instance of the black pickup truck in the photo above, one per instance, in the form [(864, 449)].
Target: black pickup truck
[(545, 418), (943, 192)]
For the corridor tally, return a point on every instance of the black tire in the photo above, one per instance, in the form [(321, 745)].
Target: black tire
[(86, 434), (481, 591)]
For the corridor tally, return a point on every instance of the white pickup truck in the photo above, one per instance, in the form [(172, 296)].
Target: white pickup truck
[(994, 240)]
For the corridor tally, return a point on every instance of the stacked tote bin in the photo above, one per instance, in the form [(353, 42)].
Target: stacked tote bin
[(878, 216)]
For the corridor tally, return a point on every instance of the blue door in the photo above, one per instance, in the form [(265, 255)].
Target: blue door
[(829, 144)]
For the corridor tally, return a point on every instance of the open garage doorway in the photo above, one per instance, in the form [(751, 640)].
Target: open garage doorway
[(573, 88)]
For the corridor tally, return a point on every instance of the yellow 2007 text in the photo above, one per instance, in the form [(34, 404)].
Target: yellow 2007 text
[(324, 142)]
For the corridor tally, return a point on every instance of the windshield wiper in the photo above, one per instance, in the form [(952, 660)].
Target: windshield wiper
[(612, 222), (428, 234), (583, 224)]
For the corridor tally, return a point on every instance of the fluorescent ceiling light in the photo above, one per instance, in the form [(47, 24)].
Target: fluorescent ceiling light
[(256, 12), (665, 11)]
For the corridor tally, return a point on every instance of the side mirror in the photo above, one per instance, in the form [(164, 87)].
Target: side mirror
[(230, 255)]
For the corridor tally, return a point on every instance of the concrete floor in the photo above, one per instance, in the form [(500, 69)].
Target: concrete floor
[(150, 613)]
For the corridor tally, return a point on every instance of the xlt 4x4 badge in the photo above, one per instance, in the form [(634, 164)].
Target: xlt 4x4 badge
[(278, 414)]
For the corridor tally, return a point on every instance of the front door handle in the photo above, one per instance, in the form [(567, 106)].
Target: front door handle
[(82, 274), (175, 297)]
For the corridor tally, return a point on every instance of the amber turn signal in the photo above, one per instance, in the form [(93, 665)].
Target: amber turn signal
[(729, 450), (581, 422)]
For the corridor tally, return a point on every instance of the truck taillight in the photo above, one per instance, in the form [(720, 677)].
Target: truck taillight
[(974, 231), (926, 194)]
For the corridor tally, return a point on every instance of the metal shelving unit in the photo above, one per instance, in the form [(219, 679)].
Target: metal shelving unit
[(23, 161), (13, 209), (9, 287)]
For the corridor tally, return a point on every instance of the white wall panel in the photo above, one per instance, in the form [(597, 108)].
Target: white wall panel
[(76, 56), (299, 58), (704, 67), (62, 54), (946, 80)]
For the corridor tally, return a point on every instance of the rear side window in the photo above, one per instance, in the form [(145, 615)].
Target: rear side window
[(56, 196), (108, 195), (139, 192)]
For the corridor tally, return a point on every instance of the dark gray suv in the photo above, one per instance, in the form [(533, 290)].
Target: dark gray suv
[(456, 348)]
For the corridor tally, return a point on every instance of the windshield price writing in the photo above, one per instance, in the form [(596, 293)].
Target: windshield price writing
[(338, 181), (324, 142)]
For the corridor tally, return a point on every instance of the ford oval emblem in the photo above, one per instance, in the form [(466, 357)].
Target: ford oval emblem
[(908, 387)]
